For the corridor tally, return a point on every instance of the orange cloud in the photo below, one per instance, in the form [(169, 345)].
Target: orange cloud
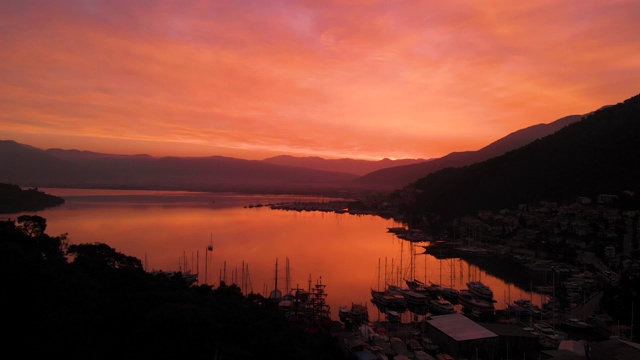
[(367, 79)]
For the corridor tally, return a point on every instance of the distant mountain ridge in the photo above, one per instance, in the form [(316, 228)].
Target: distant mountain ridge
[(25, 165), (352, 166)]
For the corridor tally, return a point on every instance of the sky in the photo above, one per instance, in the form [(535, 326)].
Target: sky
[(359, 79)]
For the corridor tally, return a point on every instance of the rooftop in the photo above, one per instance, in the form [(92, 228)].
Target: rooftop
[(460, 328)]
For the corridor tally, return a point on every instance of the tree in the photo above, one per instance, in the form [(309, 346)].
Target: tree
[(32, 225), (100, 255)]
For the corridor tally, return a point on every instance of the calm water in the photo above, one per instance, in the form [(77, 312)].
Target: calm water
[(171, 230)]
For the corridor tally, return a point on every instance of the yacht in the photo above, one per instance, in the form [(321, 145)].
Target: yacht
[(441, 306), (480, 290)]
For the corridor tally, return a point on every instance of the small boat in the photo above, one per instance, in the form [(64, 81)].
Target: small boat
[(466, 299), (410, 296), (418, 286), (359, 313), (448, 293), (441, 306), (480, 290), (387, 300), (476, 308)]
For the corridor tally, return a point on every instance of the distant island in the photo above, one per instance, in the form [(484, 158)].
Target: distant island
[(14, 199)]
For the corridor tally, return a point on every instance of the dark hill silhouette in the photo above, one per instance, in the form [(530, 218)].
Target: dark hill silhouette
[(14, 199), (89, 301), (596, 155), (351, 166), (29, 166), (396, 177)]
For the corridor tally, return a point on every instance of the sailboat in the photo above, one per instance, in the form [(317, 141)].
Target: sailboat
[(386, 300), (448, 293)]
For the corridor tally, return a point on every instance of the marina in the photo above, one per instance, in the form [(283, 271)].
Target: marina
[(390, 285)]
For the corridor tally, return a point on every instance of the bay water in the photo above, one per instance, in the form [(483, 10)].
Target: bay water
[(238, 238)]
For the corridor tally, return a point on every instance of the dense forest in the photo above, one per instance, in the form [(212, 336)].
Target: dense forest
[(89, 301)]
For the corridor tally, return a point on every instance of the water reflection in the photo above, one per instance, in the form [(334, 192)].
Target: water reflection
[(351, 254)]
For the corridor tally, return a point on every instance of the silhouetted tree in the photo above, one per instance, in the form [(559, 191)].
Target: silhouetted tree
[(32, 225)]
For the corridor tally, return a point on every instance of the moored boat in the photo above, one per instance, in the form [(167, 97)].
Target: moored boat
[(411, 297), (480, 290), (441, 306), (387, 300), (448, 293), (418, 286), (474, 307), (356, 315)]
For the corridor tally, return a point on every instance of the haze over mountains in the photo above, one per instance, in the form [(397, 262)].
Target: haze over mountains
[(28, 166)]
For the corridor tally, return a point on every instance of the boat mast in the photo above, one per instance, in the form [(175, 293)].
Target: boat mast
[(287, 278), (385, 272), (378, 274), (208, 249)]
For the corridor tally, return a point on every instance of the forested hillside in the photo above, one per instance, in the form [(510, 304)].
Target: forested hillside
[(596, 155)]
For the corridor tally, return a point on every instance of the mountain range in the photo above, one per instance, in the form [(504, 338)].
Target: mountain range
[(28, 166)]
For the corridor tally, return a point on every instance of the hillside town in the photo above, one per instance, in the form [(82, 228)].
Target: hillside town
[(582, 255), (588, 248)]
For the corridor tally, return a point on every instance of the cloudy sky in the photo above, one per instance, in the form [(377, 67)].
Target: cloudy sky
[(360, 79)]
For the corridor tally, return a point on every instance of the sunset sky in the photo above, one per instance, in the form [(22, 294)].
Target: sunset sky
[(252, 79)]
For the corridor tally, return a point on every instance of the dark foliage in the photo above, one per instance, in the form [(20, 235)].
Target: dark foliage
[(13, 199), (89, 301), (598, 154)]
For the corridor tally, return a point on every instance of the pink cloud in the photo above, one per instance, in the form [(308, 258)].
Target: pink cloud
[(358, 78)]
